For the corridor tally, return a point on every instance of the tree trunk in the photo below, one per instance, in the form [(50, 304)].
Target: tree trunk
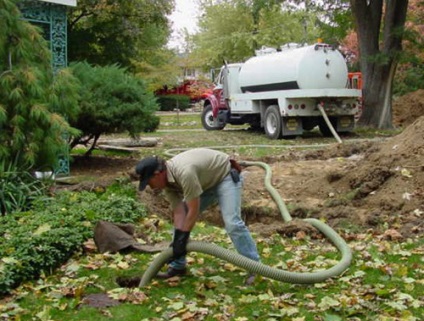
[(379, 53), (377, 93)]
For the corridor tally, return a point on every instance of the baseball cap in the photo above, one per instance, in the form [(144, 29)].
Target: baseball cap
[(145, 169)]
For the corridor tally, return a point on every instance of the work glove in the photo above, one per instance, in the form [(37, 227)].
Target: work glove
[(180, 243)]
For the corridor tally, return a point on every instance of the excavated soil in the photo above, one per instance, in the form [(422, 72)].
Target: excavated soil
[(408, 108), (377, 185)]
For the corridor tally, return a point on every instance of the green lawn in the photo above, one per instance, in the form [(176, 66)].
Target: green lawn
[(384, 282)]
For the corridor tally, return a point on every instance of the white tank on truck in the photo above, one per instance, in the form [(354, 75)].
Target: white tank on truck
[(285, 92), (293, 68)]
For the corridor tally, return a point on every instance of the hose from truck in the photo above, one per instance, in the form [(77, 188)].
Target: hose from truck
[(329, 124), (259, 268)]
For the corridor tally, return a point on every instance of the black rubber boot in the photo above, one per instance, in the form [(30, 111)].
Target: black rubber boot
[(171, 272)]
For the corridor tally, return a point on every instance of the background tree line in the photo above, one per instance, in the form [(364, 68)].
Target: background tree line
[(372, 33), (381, 39)]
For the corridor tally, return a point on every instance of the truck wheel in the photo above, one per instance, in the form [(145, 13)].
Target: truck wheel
[(273, 122), (208, 121)]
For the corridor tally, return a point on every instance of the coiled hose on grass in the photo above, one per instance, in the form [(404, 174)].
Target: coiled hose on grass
[(258, 267)]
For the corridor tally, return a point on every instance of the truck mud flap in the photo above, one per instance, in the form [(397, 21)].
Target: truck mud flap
[(345, 124), (292, 126)]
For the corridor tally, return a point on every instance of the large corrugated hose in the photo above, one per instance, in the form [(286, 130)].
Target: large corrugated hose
[(257, 267), (328, 122)]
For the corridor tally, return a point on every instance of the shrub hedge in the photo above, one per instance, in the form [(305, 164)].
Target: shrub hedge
[(41, 239), (171, 102)]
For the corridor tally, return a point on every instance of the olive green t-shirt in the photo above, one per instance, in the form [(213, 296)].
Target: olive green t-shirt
[(192, 172)]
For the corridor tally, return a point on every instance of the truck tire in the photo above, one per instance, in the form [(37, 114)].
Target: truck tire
[(208, 121), (273, 122)]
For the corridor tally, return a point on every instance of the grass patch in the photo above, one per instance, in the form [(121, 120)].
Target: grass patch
[(184, 130), (242, 142), (180, 120), (343, 199), (382, 283), (368, 132), (186, 120)]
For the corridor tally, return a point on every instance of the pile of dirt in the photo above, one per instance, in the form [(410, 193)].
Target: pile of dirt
[(377, 185), (389, 181), (407, 108)]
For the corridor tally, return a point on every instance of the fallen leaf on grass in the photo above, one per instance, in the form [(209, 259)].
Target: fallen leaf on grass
[(174, 281), (392, 234), (301, 235), (72, 268), (11, 308), (99, 300), (130, 295), (327, 303), (44, 314), (90, 246), (176, 306), (42, 229)]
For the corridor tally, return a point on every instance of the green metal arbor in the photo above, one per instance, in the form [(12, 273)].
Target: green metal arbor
[(50, 16)]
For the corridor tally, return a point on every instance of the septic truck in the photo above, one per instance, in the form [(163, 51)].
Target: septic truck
[(285, 92)]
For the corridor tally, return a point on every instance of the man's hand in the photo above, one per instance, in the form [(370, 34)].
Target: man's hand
[(180, 243)]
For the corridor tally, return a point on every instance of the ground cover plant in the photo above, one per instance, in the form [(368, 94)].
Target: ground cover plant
[(18, 188), (36, 241)]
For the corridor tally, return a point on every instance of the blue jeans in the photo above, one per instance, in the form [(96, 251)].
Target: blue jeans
[(228, 195)]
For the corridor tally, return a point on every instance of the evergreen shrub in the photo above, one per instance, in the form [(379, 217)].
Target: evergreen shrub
[(173, 102)]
